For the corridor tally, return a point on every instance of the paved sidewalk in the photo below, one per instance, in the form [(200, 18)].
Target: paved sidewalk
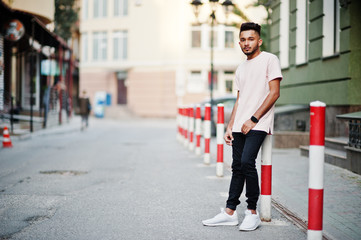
[(342, 191)]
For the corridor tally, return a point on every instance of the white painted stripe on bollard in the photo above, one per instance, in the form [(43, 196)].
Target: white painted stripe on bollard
[(265, 207), (316, 169), (219, 169), (314, 235)]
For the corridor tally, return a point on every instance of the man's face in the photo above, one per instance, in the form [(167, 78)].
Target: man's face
[(249, 41)]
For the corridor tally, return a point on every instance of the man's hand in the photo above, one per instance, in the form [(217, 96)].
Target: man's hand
[(228, 137), (248, 126)]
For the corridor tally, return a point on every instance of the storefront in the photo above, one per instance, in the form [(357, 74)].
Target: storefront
[(36, 71)]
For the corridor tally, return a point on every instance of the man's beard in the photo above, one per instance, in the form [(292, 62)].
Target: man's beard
[(250, 53)]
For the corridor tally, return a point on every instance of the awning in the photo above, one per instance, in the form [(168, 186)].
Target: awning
[(33, 26)]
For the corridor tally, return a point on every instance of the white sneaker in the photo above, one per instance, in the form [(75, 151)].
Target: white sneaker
[(222, 219), (250, 222)]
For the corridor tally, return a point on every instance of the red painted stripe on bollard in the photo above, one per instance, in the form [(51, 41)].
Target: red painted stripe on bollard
[(198, 113), (198, 142), (207, 113), (315, 209), (219, 152), (191, 128), (317, 126), (207, 144), (220, 116), (266, 179)]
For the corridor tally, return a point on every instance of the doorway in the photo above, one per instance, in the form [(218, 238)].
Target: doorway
[(122, 88)]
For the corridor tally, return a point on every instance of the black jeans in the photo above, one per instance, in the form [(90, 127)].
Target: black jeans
[(244, 152)]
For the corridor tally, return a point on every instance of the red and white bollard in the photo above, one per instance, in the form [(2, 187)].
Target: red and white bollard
[(191, 128), (186, 140), (316, 165), (198, 130), (207, 133), (266, 179), (220, 134), (182, 125), (179, 124)]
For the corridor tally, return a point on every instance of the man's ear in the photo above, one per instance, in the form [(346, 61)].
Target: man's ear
[(260, 41)]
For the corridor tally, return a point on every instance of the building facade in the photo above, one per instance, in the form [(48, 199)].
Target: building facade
[(318, 42), (36, 66), (153, 55)]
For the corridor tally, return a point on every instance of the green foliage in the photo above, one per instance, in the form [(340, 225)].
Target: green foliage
[(240, 13), (66, 15), (264, 27), (264, 36)]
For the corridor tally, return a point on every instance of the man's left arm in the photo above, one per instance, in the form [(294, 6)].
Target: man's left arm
[(271, 98)]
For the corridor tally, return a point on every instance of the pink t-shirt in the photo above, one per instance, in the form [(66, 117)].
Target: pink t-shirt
[(252, 78)]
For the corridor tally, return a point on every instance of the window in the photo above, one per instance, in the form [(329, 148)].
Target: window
[(100, 8), (99, 46), (331, 28), (229, 39), (229, 86), (223, 37), (284, 31), (195, 82), (120, 8), (229, 76), (196, 37), (84, 52), (301, 37), (120, 45), (85, 9)]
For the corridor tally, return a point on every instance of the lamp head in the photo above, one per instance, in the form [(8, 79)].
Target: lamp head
[(196, 5)]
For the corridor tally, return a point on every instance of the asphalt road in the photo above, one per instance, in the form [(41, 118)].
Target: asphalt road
[(116, 180)]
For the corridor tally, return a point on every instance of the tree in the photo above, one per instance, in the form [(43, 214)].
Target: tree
[(265, 33), (66, 15), (265, 30)]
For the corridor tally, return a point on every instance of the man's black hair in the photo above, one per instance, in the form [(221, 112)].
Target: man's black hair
[(250, 26)]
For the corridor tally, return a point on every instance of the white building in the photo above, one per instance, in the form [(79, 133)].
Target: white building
[(151, 56)]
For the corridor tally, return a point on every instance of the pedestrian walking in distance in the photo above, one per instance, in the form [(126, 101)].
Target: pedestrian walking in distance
[(257, 82), (84, 110)]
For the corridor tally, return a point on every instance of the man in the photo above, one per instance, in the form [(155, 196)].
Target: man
[(84, 110), (258, 84)]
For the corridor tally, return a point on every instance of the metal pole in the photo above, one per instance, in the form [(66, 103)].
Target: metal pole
[(11, 114), (213, 16), (31, 76), (60, 82)]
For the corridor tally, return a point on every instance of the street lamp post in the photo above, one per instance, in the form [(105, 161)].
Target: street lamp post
[(228, 5)]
